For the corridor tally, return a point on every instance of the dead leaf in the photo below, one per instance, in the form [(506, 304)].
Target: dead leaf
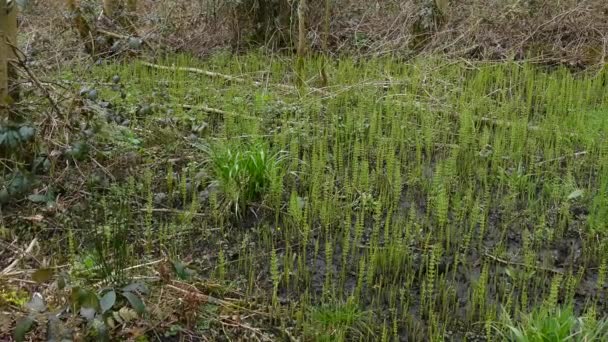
[(5, 322), (35, 218), (127, 314)]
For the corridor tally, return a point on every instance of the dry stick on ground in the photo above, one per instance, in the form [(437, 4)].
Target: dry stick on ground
[(223, 76), (210, 299), (18, 258), (509, 124), (507, 262), (574, 155), (172, 211), (219, 111), (204, 297)]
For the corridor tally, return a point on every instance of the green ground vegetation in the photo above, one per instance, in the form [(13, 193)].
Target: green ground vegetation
[(431, 199)]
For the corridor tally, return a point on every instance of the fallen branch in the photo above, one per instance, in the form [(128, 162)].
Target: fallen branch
[(201, 296), (18, 258), (224, 76), (220, 302), (509, 124), (172, 211), (219, 111), (113, 34), (507, 262), (575, 155)]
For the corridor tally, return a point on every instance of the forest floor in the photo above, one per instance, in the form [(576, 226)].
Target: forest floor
[(234, 198)]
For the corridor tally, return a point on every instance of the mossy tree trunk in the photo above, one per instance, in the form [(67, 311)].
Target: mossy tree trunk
[(123, 12), (8, 40), (3, 65), (325, 43), (110, 7), (302, 43), (132, 13), (80, 25), (267, 21), (302, 46)]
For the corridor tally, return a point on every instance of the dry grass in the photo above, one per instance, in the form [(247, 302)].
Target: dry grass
[(567, 32)]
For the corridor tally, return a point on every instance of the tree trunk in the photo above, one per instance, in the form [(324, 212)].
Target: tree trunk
[(8, 29), (132, 6), (110, 7), (325, 46), (3, 65), (302, 7), (81, 25), (129, 18)]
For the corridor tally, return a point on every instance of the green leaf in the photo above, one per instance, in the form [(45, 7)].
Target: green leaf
[(181, 270), (42, 275), (61, 281), (27, 133), (37, 198), (89, 300), (136, 287), (36, 305), (84, 298), (87, 313), (135, 43), (101, 330), (107, 301), (22, 327), (135, 302)]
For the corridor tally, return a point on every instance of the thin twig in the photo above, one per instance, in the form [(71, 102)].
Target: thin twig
[(575, 155), (172, 211), (22, 64), (204, 297), (219, 111), (12, 265), (225, 77), (507, 262)]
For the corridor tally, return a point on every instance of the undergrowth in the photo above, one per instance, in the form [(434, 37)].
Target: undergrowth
[(421, 200)]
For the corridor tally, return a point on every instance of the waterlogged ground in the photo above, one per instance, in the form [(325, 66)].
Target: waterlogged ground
[(420, 200)]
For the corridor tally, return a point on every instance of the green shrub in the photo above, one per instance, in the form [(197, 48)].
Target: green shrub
[(556, 326), (243, 172), (337, 322)]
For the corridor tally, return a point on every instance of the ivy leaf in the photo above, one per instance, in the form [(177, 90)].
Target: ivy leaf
[(4, 196), (87, 313), (37, 198), (135, 302), (135, 43), (136, 287), (42, 275), (101, 330), (107, 301), (89, 300), (181, 270), (27, 133), (12, 139), (78, 151), (84, 298), (22, 327), (36, 305)]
